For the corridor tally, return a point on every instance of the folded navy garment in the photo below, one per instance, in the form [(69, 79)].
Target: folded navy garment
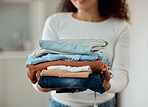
[(94, 82), (71, 90)]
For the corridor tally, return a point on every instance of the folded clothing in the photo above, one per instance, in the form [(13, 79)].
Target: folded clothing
[(77, 57), (94, 82), (71, 90), (96, 66), (39, 52), (64, 73), (70, 68), (77, 46)]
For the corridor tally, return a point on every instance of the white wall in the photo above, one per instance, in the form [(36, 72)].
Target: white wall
[(37, 16), (14, 25), (39, 11), (136, 94), (51, 7), (15, 88)]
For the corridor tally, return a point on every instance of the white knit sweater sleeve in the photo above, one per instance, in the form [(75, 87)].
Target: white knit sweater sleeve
[(50, 29), (120, 66)]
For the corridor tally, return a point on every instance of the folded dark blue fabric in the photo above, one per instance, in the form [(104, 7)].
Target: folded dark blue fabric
[(94, 82), (71, 90)]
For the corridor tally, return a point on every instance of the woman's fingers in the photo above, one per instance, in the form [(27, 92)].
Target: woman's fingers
[(106, 83), (38, 75), (105, 67), (107, 75), (105, 72), (32, 77), (47, 89)]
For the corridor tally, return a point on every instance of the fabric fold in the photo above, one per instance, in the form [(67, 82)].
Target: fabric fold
[(96, 66), (94, 82), (77, 46), (39, 52), (70, 68), (64, 73), (71, 90), (77, 57)]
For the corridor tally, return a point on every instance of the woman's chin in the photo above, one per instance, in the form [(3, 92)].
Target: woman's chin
[(80, 2)]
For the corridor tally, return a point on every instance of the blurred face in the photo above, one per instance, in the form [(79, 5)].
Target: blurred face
[(85, 4)]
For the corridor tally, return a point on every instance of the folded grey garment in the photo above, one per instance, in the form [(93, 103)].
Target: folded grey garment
[(75, 46), (39, 52)]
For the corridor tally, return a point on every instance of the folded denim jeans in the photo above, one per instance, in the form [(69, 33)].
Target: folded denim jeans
[(94, 82)]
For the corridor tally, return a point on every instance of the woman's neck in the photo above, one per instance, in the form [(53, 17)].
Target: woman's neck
[(88, 16)]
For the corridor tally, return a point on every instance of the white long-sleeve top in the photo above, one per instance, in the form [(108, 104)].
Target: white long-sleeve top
[(114, 31)]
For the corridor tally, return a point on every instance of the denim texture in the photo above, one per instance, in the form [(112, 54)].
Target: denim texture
[(94, 82), (77, 57), (110, 103), (78, 46)]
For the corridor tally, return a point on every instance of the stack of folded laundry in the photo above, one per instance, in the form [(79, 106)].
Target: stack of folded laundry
[(73, 65)]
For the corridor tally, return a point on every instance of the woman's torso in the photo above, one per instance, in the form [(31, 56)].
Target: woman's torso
[(65, 26)]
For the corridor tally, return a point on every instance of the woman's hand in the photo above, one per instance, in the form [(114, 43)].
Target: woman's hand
[(107, 77), (44, 89), (32, 76), (106, 83)]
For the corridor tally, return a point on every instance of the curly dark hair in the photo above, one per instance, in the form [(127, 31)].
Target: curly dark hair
[(107, 8)]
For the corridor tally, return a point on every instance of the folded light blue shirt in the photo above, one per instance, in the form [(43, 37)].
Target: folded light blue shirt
[(75, 46), (76, 57)]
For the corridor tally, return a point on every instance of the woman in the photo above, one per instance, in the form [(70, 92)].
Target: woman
[(93, 19)]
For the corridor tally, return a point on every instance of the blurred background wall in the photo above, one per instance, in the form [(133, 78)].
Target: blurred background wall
[(14, 24), (21, 25), (22, 22), (135, 95)]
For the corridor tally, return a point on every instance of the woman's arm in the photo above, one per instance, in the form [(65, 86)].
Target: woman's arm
[(120, 66), (50, 28)]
